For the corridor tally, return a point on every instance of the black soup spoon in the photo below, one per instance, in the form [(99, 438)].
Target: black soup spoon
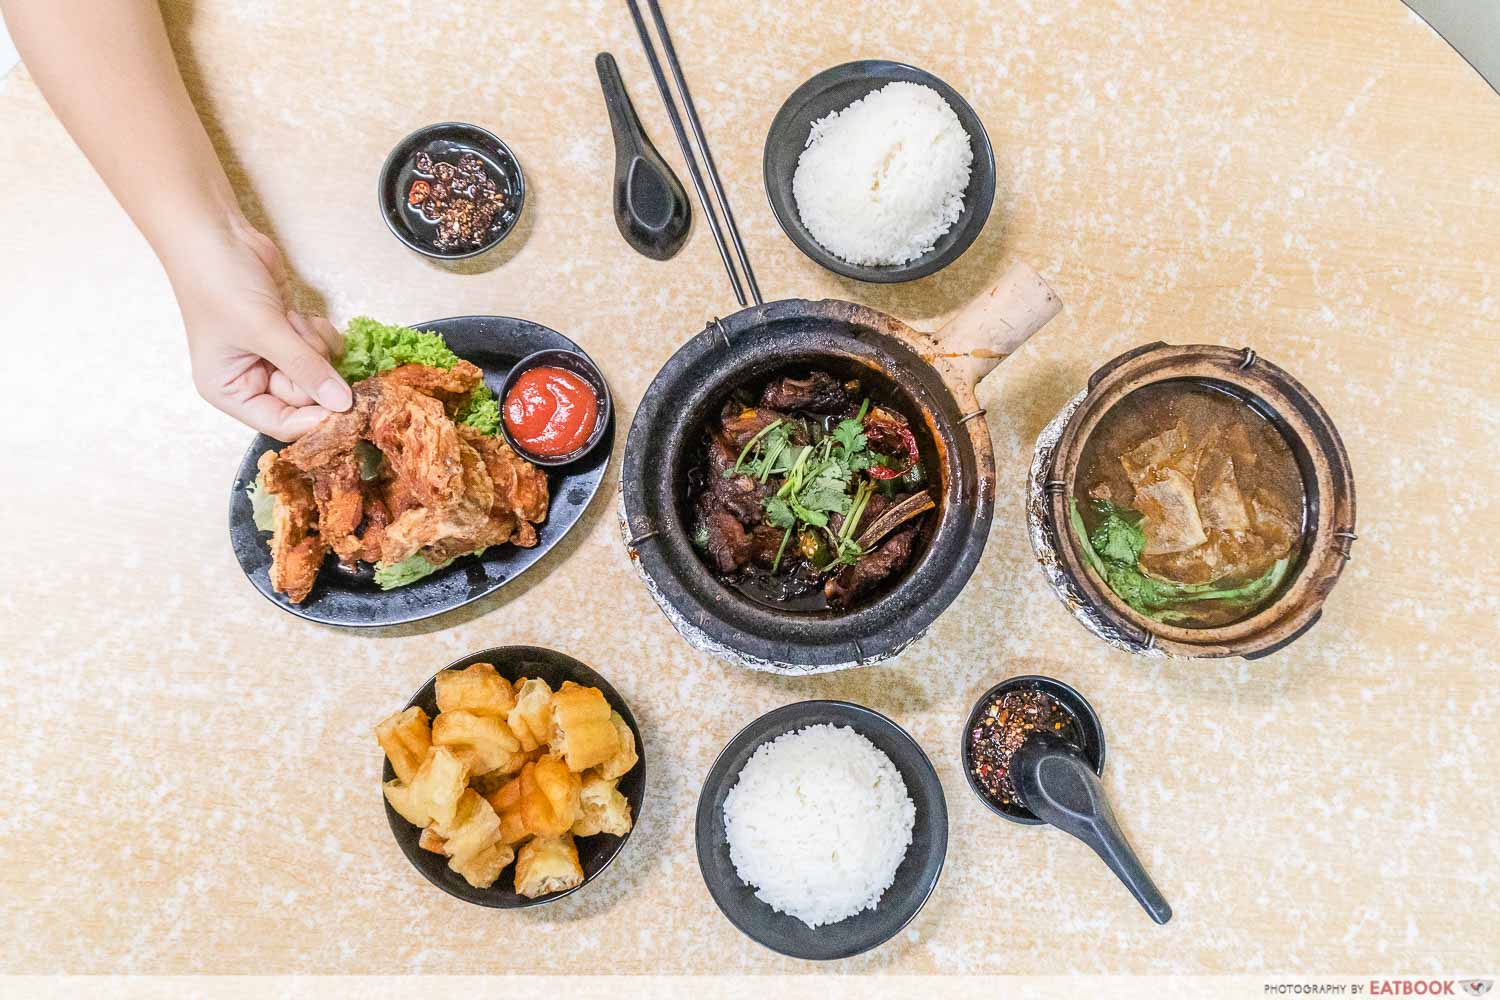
[(1053, 780), (651, 208)]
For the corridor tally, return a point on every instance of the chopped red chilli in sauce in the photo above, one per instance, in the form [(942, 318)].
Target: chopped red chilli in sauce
[(551, 412), (1007, 722)]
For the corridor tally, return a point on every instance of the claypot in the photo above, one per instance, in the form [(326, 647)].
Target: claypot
[(1328, 522), (929, 377)]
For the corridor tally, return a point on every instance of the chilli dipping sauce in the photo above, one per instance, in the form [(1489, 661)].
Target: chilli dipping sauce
[(551, 412), (1007, 722)]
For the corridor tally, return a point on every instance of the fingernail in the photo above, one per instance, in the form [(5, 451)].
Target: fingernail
[(333, 394)]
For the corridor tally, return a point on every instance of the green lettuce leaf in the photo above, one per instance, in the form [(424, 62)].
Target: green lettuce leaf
[(481, 411), (371, 348), (262, 505), (389, 576)]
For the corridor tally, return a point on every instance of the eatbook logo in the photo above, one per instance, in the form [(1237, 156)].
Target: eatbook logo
[(1476, 987)]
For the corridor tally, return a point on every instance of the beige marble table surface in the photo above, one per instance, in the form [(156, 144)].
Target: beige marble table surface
[(190, 779)]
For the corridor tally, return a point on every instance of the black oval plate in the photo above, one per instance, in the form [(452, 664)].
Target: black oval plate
[(915, 878), (594, 853), (835, 89), (350, 598)]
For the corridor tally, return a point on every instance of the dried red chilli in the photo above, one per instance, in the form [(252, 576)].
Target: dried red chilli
[(880, 432)]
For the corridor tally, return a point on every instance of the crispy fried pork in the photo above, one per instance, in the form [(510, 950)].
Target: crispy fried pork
[(420, 445), (438, 488), (326, 461), (451, 386), (520, 487), (297, 549), (448, 528)]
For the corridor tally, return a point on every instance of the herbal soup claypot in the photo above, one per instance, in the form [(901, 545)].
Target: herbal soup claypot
[(1328, 518), (929, 377)]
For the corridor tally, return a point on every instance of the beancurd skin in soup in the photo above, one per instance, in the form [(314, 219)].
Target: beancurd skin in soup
[(1190, 504)]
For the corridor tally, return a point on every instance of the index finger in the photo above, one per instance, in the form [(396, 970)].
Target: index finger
[(275, 417), (322, 335), (283, 346)]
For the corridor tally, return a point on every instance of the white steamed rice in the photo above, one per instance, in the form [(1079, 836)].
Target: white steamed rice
[(818, 823), (882, 180)]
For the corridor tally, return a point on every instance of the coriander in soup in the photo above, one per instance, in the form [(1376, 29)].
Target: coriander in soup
[(1189, 504)]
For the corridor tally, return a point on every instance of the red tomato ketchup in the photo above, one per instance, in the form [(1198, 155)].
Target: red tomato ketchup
[(551, 412)]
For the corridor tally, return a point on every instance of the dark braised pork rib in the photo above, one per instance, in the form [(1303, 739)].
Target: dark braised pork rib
[(728, 545), (820, 392), (739, 424), (890, 556), (728, 511), (743, 496), (727, 507)]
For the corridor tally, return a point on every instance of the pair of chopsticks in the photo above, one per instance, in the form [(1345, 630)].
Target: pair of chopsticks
[(687, 150)]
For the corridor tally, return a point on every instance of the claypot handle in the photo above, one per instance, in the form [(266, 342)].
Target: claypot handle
[(992, 326)]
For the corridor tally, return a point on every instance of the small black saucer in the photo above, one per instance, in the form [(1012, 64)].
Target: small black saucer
[(579, 364), (447, 141), (1070, 699)]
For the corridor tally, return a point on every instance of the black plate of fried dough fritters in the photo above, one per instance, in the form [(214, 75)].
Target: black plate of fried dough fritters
[(586, 769), (350, 597)]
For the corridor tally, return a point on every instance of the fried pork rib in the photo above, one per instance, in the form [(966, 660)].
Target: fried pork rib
[(451, 386), (441, 489), (520, 487), (296, 547)]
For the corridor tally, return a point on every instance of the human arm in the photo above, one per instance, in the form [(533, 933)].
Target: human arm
[(109, 74)]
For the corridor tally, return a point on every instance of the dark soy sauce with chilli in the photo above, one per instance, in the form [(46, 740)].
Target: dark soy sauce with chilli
[(1008, 721), (470, 182)]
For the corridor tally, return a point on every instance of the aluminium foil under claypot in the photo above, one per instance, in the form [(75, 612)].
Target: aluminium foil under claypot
[(929, 377), (1328, 520)]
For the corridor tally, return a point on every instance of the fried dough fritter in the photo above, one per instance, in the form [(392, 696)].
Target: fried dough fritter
[(441, 489), (528, 811)]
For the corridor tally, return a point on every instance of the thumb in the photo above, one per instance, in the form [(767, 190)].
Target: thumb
[(285, 349)]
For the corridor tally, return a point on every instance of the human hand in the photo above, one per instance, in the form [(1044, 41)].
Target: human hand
[(265, 365)]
